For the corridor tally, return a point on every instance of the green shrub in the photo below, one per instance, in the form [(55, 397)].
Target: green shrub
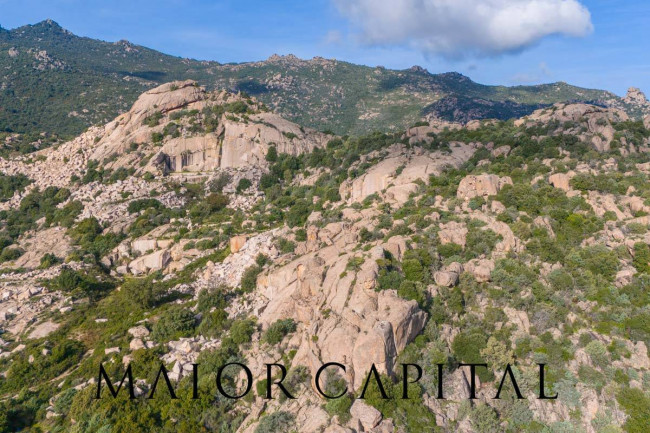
[(153, 119), (272, 154), (277, 422), (298, 213), (10, 254), (467, 347), (140, 292), (449, 250), (484, 419), (243, 185), (480, 243), (211, 298), (142, 204), (285, 246), (213, 323), (48, 260), (249, 278), (637, 407), (241, 331), (9, 185), (173, 324), (413, 290), (641, 259), (513, 275), (597, 259), (413, 270), (278, 330), (301, 235)]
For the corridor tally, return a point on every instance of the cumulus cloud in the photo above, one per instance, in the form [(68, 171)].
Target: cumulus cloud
[(458, 28)]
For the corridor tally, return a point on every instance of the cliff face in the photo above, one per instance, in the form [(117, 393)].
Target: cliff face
[(239, 139)]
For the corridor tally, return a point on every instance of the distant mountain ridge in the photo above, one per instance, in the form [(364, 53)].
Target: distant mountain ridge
[(54, 81)]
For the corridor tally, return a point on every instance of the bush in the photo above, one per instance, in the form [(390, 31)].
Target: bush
[(413, 270), (217, 202), (213, 323), (413, 291), (278, 330), (301, 235), (637, 407), (597, 259), (277, 422), (480, 243), (140, 292), (68, 279), (243, 185), (449, 250), (86, 231), (513, 275), (272, 154), (219, 183), (484, 419), (48, 260), (467, 348), (642, 257), (9, 185), (211, 298), (142, 204), (242, 331), (285, 246), (173, 324), (249, 278), (10, 254), (298, 213)]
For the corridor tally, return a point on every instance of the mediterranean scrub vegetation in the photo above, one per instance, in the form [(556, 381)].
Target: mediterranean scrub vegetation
[(532, 274)]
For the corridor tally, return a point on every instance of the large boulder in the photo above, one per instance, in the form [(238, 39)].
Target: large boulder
[(446, 278), (368, 416), (155, 261), (480, 269), (237, 242), (561, 180), (483, 185)]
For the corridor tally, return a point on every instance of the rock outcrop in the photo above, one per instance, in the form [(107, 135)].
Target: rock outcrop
[(483, 185), (597, 121), (362, 327), (395, 176), (561, 180)]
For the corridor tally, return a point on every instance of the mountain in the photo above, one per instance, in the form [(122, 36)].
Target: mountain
[(201, 228), (54, 82)]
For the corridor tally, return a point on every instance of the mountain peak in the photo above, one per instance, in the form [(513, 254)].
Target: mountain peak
[(48, 23), (635, 96), (418, 69)]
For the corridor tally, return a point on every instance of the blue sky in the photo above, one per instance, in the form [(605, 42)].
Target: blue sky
[(612, 56)]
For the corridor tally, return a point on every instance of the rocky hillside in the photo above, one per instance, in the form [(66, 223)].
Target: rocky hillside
[(55, 84), (200, 227)]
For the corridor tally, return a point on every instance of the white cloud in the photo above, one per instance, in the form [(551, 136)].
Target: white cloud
[(458, 28)]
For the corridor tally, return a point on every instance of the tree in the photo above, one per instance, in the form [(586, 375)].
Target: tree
[(243, 185), (272, 154), (641, 257), (140, 291)]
